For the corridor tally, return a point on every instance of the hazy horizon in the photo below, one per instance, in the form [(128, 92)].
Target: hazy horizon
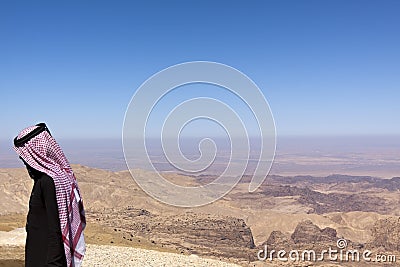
[(316, 155)]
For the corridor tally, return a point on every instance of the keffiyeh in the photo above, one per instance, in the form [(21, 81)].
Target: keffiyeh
[(39, 149)]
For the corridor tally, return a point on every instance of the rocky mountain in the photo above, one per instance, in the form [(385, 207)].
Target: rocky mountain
[(320, 202), (285, 212), (386, 234), (308, 233), (188, 233)]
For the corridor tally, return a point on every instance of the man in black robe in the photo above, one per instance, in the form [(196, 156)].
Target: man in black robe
[(44, 245), (56, 217)]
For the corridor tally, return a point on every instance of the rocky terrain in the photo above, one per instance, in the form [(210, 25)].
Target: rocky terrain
[(306, 236), (188, 233), (301, 213), (386, 234)]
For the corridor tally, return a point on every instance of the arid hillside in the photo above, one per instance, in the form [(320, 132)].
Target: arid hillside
[(301, 212)]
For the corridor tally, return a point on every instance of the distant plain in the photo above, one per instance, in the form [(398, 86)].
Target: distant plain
[(317, 156)]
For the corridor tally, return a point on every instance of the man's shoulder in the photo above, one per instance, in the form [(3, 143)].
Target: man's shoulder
[(46, 179)]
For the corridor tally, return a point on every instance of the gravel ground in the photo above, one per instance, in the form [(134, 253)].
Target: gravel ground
[(101, 255), (105, 255)]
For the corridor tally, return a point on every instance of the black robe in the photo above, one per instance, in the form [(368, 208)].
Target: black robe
[(44, 246)]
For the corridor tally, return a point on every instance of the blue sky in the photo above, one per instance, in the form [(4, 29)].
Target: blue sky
[(326, 67)]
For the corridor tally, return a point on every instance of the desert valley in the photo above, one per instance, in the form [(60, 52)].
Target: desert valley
[(285, 213)]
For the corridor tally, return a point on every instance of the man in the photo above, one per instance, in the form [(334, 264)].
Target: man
[(56, 218)]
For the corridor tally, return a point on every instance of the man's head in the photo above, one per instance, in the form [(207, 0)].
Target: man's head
[(40, 152)]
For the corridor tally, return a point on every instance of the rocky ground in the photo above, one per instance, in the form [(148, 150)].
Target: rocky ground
[(111, 256), (187, 233), (286, 213), (103, 255)]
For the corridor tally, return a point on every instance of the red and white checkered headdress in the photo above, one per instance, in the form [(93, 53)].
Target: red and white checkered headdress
[(39, 150)]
